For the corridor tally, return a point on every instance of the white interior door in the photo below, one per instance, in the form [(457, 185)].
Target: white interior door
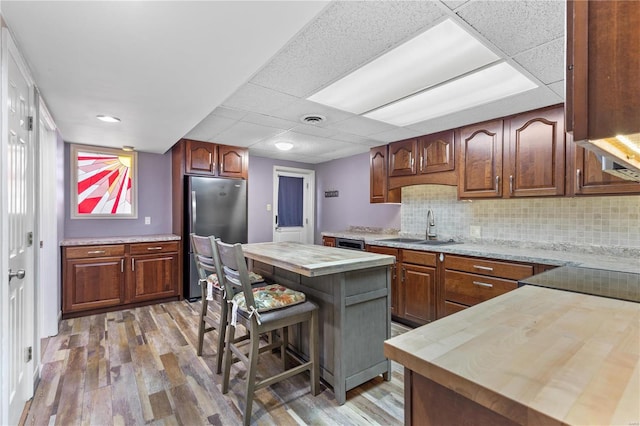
[(20, 190), (293, 224)]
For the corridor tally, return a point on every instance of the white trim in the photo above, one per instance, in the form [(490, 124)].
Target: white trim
[(309, 177)]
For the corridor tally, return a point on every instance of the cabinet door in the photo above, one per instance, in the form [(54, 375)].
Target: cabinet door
[(329, 241), (152, 277), (200, 157), (234, 161), (93, 283), (402, 157), (418, 288), (589, 179), (480, 167), (536, 157), (378, 184), (437, 153)]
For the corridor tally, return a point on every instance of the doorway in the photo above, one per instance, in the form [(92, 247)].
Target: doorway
[(293, 200)]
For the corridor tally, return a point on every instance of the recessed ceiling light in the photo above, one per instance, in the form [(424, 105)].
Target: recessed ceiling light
[(108, 118), (284, 146), (478, 88), (439, 54)]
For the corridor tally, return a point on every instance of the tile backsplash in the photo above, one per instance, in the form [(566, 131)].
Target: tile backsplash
[(612, 221)]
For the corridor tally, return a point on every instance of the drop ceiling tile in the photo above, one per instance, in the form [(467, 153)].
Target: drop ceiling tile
[(234, 114), (246, 134), (208, 128), (346, 151), (301, 107), (268, 121), (558, 87), (313, 130), (454, 4), (251, 97), (302, 144), (361, 126), (285, 156), (515, 26), (361, 140), (396, 134), (545, 62), (344, 37)]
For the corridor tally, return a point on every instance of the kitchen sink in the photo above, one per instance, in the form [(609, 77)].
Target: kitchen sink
[(436, 242)]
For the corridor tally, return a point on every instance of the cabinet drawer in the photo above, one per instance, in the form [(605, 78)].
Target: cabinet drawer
[(470, 289), (156, 247), (452, 307), (85, 252), (492, 268), (419, 257)]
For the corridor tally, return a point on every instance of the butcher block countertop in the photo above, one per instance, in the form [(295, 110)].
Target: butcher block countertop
[(535, 355), (313, 260)]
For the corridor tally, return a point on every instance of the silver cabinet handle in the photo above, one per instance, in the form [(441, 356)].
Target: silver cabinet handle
[(510, 184), (19, 274), (484, 268), (154, 248), (96, 252), (481, 284), (578, 183), (121, 265), (133, 264), (497, 184)]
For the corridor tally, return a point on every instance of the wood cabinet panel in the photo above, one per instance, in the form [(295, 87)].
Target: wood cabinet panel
[(536, 154), (379, 191), (452, 307), (437, 152), (418, 293), (402, 157), (152, 277), (480, 163), (85, 252), (492, 268), (234, 161), (329, 241), (419, 257), (93, 283), (201, 157), (603, 59), (471, 289), (155, 247)]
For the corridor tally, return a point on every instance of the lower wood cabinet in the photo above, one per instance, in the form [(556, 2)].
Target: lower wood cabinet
[(395, 288), (329, 241), (417, 287), (108, 277)]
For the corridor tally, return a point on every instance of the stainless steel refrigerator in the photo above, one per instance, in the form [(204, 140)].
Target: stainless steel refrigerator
[(213, 206)]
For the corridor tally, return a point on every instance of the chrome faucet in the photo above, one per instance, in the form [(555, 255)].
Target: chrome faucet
[(431, 225)]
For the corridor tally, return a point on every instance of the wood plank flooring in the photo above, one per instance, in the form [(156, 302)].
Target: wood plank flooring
[(139, 366)]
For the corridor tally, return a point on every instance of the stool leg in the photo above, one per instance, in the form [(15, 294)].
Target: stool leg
[(222, 331), (251, 374), (284, 340), (202, 324), (314, 353), (227, 357)]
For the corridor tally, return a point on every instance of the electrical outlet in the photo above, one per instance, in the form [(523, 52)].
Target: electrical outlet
[(268, 207), (147, 220), (475, 231)]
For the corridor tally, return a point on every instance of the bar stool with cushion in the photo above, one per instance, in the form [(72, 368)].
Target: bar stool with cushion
[(263, 310), (211, 290)]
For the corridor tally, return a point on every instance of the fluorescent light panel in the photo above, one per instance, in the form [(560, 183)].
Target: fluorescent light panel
[(443, 52), (487, 85)]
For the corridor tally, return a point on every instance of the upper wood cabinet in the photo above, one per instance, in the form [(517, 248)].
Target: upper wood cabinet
[(436, 152), (480, 162), (204, 158), (520, 156), (402, 157), (535, 154), (603, 59), (585, 175), (379, 184)]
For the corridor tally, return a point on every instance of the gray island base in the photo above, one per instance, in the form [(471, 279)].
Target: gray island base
[(353, 291)]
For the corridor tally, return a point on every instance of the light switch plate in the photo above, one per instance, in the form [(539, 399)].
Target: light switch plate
[(147, 220), (475, 231)]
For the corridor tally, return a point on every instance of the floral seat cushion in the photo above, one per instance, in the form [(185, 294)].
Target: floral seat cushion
[(213, 280), (270, 297)]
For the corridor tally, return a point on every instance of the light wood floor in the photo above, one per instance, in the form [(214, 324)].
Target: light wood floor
[(139, 366)]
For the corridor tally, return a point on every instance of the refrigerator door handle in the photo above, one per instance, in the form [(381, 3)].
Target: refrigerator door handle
[(193, 211)]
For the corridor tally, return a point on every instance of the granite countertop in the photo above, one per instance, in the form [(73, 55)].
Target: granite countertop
[(313, 260), (118, 240), (514, 251), (564, 357)]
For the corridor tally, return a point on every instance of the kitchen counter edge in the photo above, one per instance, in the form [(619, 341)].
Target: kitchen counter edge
[(89, 241)]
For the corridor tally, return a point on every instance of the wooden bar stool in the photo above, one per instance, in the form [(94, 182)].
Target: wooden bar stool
[(262, 310)]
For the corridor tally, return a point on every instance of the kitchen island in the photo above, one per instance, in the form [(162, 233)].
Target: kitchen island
[(352, 289), (531, 356)]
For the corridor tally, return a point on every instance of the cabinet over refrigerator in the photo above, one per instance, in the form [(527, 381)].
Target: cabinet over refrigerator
[(213, 206)]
